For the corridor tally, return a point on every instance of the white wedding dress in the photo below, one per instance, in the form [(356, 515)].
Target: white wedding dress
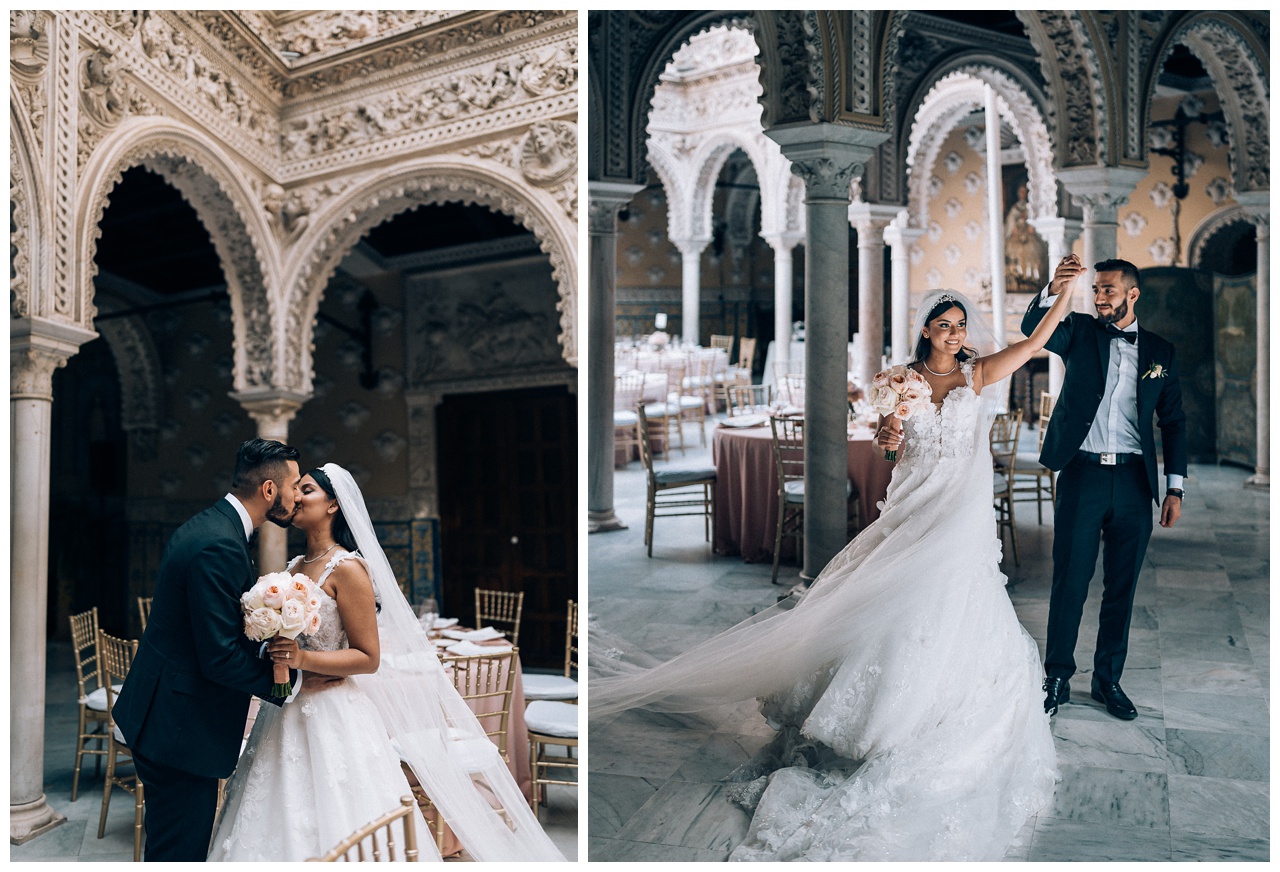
[(315, 769), (906, 695)]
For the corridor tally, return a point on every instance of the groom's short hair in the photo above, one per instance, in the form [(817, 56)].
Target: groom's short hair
[(1128, 272), (259, 460)]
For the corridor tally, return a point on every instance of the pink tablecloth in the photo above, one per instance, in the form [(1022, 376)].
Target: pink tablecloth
[(747, 487)]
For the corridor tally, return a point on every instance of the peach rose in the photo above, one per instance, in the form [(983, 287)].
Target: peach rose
[(262, 624), (903, 411), (311, 625), (273, 596), (898, 381), (880, 379), (299, 588)]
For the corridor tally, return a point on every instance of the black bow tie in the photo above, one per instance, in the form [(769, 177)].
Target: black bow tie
[(253, 541), (1114, 332)]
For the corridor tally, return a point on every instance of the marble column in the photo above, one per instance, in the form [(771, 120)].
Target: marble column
[(995, 214), (1257, 205), (828, 157), (900, 238), (1059, 234), (37, 347), (606, 199), (272, 410), (690, 287), (782, 244), (870, 220)]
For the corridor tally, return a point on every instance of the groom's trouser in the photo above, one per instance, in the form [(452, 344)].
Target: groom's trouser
[(1112, 503), (179, 811)]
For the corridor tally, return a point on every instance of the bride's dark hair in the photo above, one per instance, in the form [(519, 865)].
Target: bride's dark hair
[(341, 529), (924, 346)]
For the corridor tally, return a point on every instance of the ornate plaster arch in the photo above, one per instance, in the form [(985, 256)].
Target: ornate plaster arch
[(1206, 229), (335, 230), (1078, 107), (953, 97), (1240, 77), (138, 369), (29, 224), (706, 166), (197, 167)]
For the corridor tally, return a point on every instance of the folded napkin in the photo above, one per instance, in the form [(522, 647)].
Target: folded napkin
[(471, 649), (454, 634), (444, 643), (444, 623), (484, 634)]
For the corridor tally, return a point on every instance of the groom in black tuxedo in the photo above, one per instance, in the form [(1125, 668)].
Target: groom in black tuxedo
[(1117, 376), (183, 706)]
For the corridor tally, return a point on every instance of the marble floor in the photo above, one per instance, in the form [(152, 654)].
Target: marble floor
[(1187, 780), (77, 839)]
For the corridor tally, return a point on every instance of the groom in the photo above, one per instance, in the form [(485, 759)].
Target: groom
[(1117, 376), (183, 706)]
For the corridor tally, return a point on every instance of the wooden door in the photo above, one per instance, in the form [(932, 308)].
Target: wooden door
[(508, 494)]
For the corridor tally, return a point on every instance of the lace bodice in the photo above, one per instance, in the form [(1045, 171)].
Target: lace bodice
[(949, 431), (332, 636)]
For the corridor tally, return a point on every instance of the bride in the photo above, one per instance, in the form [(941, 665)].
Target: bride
[(904, 692), (328, 761)]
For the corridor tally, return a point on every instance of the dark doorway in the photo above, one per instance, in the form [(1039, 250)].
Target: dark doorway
[(508, 488)]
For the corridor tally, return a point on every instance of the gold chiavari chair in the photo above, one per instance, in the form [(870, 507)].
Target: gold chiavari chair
[(369, 833), (553, 719), (740, 373), (674, 489), (662, 412), (721, 341), (93, 696), (628, 389), (1033, 478), (115, 656), (788, 459), (792, 386), (696, 390), (563, 688), (1004, 453), (677, 399), (749, 399), (144, 610), (500, 607)]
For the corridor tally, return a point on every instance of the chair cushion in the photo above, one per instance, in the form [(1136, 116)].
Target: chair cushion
[(686, 402), (795, 490), (999, 483), (552, 718), (660, 410), (685, 476), (549, 687), (97, 700), (625, 419)]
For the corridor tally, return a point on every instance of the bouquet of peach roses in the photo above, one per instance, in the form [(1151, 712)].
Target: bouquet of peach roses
[(281, 604), (899, 392)]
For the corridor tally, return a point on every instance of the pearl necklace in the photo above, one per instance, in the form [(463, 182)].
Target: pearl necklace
[(925, 362), (335, 545)]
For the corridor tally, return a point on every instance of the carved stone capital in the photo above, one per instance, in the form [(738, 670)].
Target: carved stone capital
[(606, 200), (691, 247), (1068, 229), (826, 178), (1257, 205), (38, 346), (871, 221), (1101, 191), (827, 157), (271, 409)]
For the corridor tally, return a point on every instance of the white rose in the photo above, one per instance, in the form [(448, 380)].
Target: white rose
[(311, 625), (292, 616), (252, 599), (265, 623)]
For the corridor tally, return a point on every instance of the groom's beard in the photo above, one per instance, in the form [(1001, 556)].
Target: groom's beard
[(1118, 313), (277, 514)]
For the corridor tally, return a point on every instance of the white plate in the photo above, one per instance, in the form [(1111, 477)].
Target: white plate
[(743, 422)]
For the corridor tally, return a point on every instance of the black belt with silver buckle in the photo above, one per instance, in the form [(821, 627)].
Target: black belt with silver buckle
[(1108, 459)]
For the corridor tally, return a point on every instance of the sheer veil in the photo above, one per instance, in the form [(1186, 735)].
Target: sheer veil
[(982, 338), (429, 722)]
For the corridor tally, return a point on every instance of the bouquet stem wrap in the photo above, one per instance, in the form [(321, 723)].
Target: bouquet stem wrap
[(281, 604)]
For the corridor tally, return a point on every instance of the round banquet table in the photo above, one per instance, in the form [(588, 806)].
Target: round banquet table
[(747, 488)]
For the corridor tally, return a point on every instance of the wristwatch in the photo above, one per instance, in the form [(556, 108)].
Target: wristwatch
[(1174, 492)]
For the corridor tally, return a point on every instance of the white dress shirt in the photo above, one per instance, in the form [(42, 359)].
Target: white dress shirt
[(1115, 426), (244, 515)]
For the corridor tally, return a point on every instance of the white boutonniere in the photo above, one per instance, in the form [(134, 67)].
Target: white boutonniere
[(1155, 371)]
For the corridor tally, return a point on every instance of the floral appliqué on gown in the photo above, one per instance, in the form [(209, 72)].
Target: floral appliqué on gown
[(315, 769)]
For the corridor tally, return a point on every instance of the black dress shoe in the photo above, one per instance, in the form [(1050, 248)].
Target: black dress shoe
[(1118, 705), (1058, 691)]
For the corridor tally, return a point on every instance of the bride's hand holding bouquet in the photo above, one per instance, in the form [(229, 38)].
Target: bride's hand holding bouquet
[(897, 394), (285, 606)]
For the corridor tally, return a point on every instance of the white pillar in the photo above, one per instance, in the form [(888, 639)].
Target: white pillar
[(272, 409), (781, 243), (1257, 204), (690, 287), (868, 343), (605, 201), (995, 216), (900, 238), (828, 157), (1059, 234), (36, 348)]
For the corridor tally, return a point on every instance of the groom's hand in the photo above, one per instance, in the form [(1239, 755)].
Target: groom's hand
[(316, 681), (1065, 274), (1171, 511)]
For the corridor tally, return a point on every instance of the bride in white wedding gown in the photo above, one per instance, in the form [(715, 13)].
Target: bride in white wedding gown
[(328, 762), (906, 695)]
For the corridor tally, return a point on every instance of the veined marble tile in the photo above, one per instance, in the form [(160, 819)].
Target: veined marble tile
[(1112, 797), (689, 815), (1216, 713), (1019, 850), (1216, 647), (1111, 744), (1195, 847), (720, 755), (641, 751), (1069, 840), (618, 850), (1219, 755), (1204, 676), (65, 840), (1168, 576), (1219, 806), (613, 799)]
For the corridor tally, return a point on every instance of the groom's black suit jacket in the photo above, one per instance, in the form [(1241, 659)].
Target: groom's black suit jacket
[(1086, 350), (187, 694)]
